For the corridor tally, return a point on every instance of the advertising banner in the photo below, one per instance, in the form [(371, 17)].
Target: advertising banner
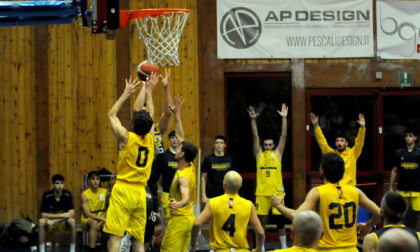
[(294, 29)]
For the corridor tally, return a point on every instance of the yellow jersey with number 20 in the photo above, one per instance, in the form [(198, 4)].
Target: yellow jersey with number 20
[(338, 206)]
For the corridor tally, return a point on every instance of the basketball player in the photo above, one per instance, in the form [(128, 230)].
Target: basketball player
[(158, 161), (181, 195), (349, 155), (214, 168), (269, 176), (398, 240), (169, 168), (127, 208), (337, 205), (306, 232), (393, 210), (229, 216), (407, 162), (57, 213), (94, 204)]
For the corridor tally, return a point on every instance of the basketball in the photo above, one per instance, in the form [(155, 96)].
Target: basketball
[(145, 69), (156, 242)]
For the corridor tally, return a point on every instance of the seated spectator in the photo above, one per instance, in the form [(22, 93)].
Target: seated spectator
[(57, 213), (94, 204)]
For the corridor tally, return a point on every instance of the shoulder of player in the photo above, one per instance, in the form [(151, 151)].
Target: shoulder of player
[(48, 194), (66, 193)]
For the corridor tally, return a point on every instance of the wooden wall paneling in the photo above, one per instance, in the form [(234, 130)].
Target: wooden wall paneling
[(211, 79), (84, 77), (6, 123), (4, 63), (53, 92), (14, 131), (42, 166), (298, 131)]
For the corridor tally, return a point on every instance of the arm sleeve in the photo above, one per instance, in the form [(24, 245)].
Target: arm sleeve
[(322, 142), (71, 206), (44, 207), (359, 142), (206, 165)]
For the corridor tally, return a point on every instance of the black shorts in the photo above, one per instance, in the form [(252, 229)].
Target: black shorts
[(152, 213)]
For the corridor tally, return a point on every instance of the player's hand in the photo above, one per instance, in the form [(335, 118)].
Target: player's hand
[(284, 109), (174, 205), (176, 108), (251, 112), (314, 119), (165, 80), (363, 230), (204, 199), (276, 201), (70, 215), (362, 121), (131, 86), (151, 81)]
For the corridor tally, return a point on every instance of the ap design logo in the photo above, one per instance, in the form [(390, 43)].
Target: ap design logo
[(240, 28)]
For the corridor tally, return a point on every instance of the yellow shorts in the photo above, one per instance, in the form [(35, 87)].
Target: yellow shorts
[(84, 221), (347, 249), (178, 234), (165, 205), (127, 210), (228, 250), (263, 205), (60, 226), (412, 198)]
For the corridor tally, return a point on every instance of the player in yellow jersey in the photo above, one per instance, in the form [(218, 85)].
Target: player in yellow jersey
[(337, 205), (269, 176), (349, 155), (94, 203), (306, 232), (182, 191), (229, 215), (127, 206)]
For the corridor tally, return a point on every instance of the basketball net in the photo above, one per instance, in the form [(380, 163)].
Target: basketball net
[(161, 34)]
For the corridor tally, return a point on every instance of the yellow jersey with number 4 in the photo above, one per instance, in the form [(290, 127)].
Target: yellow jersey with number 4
[(229, 222), (338, 206), (269, 177), (135, 160)]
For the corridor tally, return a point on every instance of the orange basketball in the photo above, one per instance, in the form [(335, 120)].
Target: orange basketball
[(156, 242), (145, 69)]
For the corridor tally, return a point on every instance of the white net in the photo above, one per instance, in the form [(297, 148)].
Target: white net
[(161, 35)]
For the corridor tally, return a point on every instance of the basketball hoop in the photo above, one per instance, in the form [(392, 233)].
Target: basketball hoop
[(161, 31)]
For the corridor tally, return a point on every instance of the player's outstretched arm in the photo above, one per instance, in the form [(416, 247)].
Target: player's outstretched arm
[(255, 138), (362, 121), (150, 84), (176, 109), (283, 137), (120, 132), (314, 119), (204, 217), (258, 229), (166, 116)]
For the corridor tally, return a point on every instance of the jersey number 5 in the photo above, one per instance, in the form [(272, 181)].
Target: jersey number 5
[(230, 225), (142, 157), (349, 206)]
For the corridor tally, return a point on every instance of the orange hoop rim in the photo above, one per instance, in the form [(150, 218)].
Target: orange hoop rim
[(126, 15)]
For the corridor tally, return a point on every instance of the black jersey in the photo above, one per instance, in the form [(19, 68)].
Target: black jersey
[(408, 166), (216, 169), (157, 165), (169, 168), (381, 231), (51, 205)]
